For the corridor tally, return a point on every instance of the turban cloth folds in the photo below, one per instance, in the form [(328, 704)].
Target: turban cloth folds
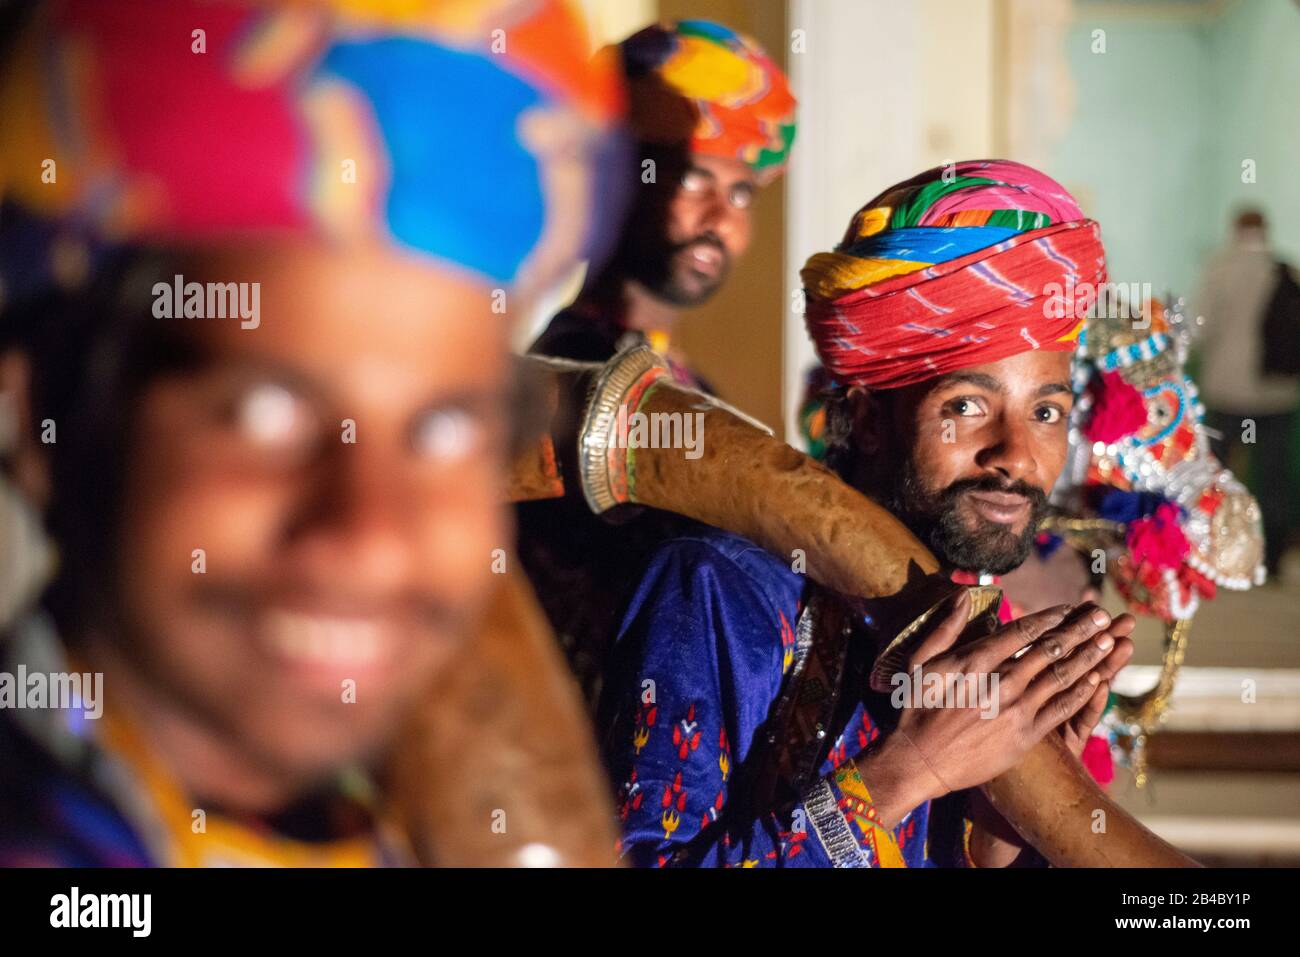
[(954, 268), (399, 122), (703, 86)]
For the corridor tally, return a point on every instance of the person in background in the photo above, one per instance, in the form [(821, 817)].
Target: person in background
[(1249, 376), (715, 120)]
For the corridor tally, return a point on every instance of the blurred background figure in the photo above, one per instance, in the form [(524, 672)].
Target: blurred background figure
[(714, 122), (1250, 369)]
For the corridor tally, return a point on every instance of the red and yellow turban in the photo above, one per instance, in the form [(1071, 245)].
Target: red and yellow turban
[(703, 86), (959, 266)]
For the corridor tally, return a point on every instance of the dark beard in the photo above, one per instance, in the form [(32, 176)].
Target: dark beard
[(990, 548), (659, 271)]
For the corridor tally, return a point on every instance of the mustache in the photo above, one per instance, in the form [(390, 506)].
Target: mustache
[(706, 239), (1036, 496)]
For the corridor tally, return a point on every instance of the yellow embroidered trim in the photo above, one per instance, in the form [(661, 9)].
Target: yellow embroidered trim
[(861, 811), (967, 827)]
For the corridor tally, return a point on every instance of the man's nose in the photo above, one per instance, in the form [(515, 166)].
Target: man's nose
[(1009, 450), (356, 524), (725, 220)]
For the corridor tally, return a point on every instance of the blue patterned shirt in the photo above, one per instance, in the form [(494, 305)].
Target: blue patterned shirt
[(702, 656)]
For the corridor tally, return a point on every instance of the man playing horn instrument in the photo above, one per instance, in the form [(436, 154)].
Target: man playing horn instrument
[(940, 317)]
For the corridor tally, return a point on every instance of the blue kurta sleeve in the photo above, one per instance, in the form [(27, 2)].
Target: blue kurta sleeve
[(698, 663)]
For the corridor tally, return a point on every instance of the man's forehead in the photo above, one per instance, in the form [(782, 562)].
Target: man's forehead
[(723, 168), (1034, 371), (340, 314)]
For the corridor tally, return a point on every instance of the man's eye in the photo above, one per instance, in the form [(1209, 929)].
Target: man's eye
[(272, 416), (742, 197), (1049, 414), (448, 434), (694, 181), (965, 407)]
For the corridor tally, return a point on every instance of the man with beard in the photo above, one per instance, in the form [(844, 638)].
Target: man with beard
[(950, 406), (274, 529), (715, 121)]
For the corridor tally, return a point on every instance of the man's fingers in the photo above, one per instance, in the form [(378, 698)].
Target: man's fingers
[(945, 634), (1084, 623), (992, 651), (1091, 712), (1058, 676), (1064, 706), (1119, 656), (1123, 625)]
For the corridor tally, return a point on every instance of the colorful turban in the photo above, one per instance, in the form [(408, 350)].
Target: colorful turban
[(959, 266), (467, 131), (706, 87)]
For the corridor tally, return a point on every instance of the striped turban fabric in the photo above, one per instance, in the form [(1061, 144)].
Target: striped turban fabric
[(959, 266), (703, 86)]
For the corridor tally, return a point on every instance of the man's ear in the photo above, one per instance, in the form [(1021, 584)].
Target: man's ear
[(868, 417), (25, 459)]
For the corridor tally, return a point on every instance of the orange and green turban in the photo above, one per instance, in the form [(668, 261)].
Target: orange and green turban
[(703, 86)]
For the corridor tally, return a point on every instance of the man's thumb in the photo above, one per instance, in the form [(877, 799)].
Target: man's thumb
[(945, 634)]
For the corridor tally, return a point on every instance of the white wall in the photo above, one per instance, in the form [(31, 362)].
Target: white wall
[(1181, 97), (886, 89)]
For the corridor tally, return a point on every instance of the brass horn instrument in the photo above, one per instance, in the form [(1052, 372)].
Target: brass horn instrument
[(748, 482)]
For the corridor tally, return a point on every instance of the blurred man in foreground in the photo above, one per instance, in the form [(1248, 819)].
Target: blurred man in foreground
[(265, 400)]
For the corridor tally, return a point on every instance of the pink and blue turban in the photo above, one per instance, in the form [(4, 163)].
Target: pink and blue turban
[(470, 132), (959, 266)]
